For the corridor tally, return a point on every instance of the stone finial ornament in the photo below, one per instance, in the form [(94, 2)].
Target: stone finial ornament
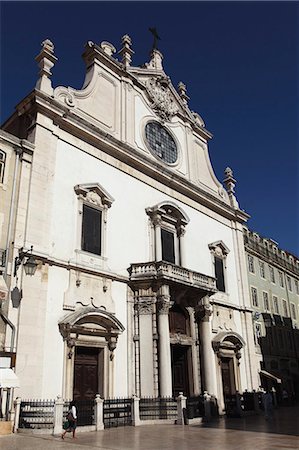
[(46, 60), (155, 61), (230, 184), (108, 48), (126, 52), (183, 92)]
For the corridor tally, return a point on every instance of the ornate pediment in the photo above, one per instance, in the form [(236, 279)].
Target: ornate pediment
[(163, 101)]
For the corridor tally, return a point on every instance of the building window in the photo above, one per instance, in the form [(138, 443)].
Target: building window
[(289, 282), (167, 222), (168, 251), (280, 275), (266, 301), (293, 311), (272, 274), (296, 286), (285, 308), (275, 305), (254, 297), (250, 264), (219, 251), (2, 165), (262, 269), (94, 202), (92, 230)]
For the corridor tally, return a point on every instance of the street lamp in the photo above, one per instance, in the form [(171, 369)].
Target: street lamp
[(29, 266)]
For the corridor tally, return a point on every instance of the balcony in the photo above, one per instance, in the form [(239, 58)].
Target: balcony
[(161, 272)]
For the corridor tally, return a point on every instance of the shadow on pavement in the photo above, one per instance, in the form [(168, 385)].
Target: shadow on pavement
[(285, 421)]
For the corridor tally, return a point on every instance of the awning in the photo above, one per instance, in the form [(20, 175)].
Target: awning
[(8, 379), (270, 375)]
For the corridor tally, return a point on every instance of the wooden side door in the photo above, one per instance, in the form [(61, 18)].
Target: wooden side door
[(180, 375), (86, 373)]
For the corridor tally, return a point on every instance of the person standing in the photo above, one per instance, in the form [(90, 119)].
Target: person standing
[(72, 420), (268, 404)]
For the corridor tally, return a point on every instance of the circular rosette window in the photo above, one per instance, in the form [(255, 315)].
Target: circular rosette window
[(161, 143)]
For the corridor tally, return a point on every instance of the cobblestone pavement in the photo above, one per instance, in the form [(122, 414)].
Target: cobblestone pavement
[(251, 433)]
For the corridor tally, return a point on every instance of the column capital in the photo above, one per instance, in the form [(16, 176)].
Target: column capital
[(145, 306), (163, 304), (204, 309)]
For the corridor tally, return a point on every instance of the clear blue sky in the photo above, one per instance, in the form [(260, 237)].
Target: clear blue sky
[(239, 61)]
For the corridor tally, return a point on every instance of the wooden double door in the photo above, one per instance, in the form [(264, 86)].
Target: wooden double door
[(88, 373), (180, 369)]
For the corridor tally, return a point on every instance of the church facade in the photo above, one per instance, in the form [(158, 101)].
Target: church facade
[(141, 281)]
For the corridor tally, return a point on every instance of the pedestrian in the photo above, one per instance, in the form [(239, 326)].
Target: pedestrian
[(268, 404), (71, 420), (285, 397)]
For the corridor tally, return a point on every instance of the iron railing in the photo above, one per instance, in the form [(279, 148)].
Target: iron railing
[(36, 414), (157, 408), (117, 412), (85, 412), (195, 407)]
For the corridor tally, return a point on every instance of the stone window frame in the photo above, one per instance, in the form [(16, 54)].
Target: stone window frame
[(289, 283), (94, 196), (276, 308), (258, 331), (266, 300), (280, 279), (170, 217), (262, 269), (296, 286), (285, 312), (272, 274), (293, 311), (250, 261), (220, 250), (2, 165), (252, 289)]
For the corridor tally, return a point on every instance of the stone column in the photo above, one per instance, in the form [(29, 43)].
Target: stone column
[(165, 375), (145, 309), (99, 413), (158, 243), (58, 415), (209, 367), (181, 234), (135, 412), (17, 405), (181, 408)]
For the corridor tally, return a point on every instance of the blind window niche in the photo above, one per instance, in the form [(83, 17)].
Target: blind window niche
[(168, 252), (92, 230), (219, 274)]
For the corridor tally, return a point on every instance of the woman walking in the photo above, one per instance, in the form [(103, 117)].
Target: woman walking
[(72, 420)]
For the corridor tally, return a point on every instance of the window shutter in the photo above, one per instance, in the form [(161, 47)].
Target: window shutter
[(219, 273), (91, 230), (167, 246)]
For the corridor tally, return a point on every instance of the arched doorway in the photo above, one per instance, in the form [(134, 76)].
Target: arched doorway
[(90, 335), (228, 346)]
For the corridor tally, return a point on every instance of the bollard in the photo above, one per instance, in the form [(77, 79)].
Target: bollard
[(99, 412), (58, 415), (181, 407)]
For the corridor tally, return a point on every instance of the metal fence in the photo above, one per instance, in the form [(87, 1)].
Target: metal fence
[(157, 408), (117, 412), (195, 407), (36, 414), (85, 412)]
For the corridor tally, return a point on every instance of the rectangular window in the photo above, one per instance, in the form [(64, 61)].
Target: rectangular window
[(168, 253), (254, 298), (289, 281), (296, 286), (266, 301), (219, 274), (285, 308), (250, 264), (91, 230), (258, 332), (293, 311), (2, 165), (272, 274), (280, 275), (262, 269), (275, 305)]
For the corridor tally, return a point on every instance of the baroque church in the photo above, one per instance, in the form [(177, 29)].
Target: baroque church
[(139, 281)]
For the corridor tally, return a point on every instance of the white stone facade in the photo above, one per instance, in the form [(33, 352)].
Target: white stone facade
[(139, 320)]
